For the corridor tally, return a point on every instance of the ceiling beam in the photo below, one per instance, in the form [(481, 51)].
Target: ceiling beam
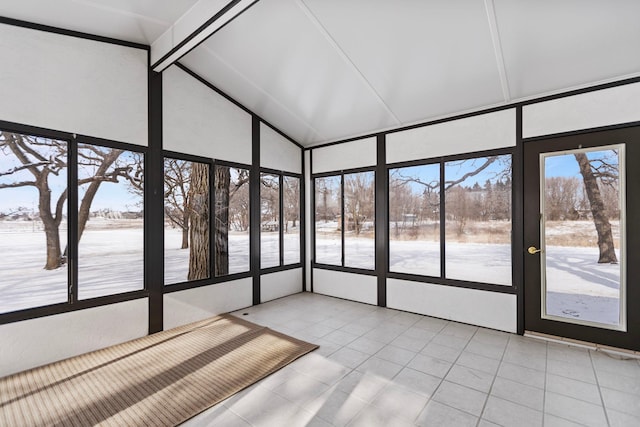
[(497, 48), (195, 26)]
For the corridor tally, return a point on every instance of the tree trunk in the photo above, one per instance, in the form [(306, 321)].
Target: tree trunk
[(185, 231), (199, 222), (603, 226), (222, 186), (50, 223), (92, 189)]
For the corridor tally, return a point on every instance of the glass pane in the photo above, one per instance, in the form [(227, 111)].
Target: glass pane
[(110, 221), (269, 220), (328, 213), (33, 221), (581, 197), (186, 221), (231, 220), (291, 217), (414, 220), (359, 220), (478, 219)]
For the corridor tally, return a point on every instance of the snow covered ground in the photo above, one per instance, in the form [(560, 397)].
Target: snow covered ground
[(111, 262)]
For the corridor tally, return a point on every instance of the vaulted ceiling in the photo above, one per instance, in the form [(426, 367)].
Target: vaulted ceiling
[(325, 70)]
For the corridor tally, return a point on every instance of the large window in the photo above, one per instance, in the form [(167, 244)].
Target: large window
[(474, 199), (345, 224), (186, 221), (36, 175), (231, 221), (414, 220), (33, 221), (110, 221)]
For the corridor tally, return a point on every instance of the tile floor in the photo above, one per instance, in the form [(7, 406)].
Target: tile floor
[(383, 367)]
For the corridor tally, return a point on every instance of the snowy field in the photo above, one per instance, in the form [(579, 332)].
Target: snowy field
[(111, 262), (176, 260)]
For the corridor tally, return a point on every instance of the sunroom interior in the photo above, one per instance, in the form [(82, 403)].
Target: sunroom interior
[(164, 163)]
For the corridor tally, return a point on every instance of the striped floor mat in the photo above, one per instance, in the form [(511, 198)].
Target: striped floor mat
[(160, 380)]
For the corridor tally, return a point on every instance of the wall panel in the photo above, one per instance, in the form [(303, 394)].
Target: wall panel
[(489, 309), (73, 85), (350, 155), (280, 284), (354, 287), (35, 342), (606, 107), (197, 120), (277, 152), (195, 304), (476, 133)]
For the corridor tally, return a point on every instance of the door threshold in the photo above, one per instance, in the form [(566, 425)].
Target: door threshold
[(618, 353)]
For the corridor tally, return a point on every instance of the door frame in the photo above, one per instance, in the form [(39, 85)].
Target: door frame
[(531, 296)]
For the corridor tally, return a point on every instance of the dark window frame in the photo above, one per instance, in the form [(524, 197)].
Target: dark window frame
[(442, 279), (73, 303), (281, 174), (342, 267)]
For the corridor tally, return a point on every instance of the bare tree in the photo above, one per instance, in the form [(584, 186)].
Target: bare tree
[(225, 191), (177, 200), (42, 158), (198, 210), (358, 198), (591, 171)]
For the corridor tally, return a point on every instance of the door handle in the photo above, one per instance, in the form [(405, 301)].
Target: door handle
[(533, 250)]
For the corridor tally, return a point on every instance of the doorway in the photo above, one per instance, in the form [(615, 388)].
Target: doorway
[(581, 233)]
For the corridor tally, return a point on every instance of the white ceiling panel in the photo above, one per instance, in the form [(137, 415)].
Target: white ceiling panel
[(278, 48), (211, 68), (424, 58), (552, 45), (138, 21)]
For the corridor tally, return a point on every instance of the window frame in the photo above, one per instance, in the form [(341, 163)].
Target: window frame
[(342, 266), (442, 279), (73, 303), (281, 264)]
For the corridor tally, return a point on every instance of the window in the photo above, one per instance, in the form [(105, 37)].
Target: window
[(414, 220), (359, 220), (110, 221), (186, 221), (36, 174), (328, 213), (269, 220), (345, 224), (478, 219), (231, 225), (33, 221), (474, 199), (291, 219)]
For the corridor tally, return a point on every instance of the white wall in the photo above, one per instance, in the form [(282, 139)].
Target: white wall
[(197, 120), (35, 342), (277, 152), (476, 133), (489, 309), (280, 284), (351, 155), (191, 305), (355, 287), (73, 85), (606, 107)]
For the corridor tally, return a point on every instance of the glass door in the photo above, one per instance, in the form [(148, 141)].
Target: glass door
[(577, 238)]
